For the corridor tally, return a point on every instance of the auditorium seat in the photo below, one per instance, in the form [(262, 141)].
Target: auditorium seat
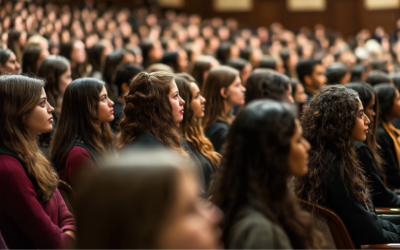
[(335, 228)]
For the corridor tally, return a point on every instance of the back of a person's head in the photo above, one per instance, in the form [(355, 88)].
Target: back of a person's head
[(223, 52), (201, 65), (136, 196), (111, 63), (156, 67), (335, 73), (357, 73), (304, 68), (254, 84), (377, 76), (149, 91), (125, 74), (237, 63), (268, 62)]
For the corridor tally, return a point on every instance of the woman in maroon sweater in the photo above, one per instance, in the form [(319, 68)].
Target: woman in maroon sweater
[(32, 211), (83, 132)]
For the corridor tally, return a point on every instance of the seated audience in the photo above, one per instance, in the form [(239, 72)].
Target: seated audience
[(201, 68), (177, 60), (244, 67), (376, 76), (32, 212), (298, 93)]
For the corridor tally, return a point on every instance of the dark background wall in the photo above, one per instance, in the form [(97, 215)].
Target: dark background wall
[(345, 16)]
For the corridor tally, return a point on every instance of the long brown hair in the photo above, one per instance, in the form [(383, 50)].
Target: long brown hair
[(191, 127), (218, 78), (148, 109), (133, 196), (78, 121), (19, 96), (366, 92), (255, 170), (327, 123), (51, 68), (202, 64)]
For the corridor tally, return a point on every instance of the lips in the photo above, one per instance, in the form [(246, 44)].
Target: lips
[(51, 119), (182, 111), (366, 131), (112, 111)]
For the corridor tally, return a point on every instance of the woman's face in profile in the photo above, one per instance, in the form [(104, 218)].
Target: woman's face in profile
[(193, 223), (298, 156)]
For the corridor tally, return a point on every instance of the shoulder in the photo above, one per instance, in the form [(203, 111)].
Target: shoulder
[(146, 139), (217, 126), (10, 166), (78, 154), (253, 230), (381, 132), (360, 145)]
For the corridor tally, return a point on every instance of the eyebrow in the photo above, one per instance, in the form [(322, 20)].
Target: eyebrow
[(44, 97), (361, 110), (103, 95)]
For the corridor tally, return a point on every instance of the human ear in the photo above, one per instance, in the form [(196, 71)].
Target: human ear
[(223, 93)]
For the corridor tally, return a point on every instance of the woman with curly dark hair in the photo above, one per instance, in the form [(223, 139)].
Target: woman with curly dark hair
[(387, 134), (153, 111), (264, 148), (191, 128), (332, 123), (367, 151)]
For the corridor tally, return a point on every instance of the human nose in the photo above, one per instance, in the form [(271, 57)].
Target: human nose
[(50, 108), (243, 89), (182, 102), (366, 121), (110, 103), (203, 100)]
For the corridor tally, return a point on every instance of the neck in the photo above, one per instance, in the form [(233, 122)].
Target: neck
[(227, 109), (390, 119), (32, 136)]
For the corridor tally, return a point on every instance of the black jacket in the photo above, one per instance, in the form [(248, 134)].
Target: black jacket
[(388, 153), (207, 169), (381, 196), (216, 133), (364, 226)]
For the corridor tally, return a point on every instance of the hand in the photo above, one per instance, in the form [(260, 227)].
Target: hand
[(71, 233)]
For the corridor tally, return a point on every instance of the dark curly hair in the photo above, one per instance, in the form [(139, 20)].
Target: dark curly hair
[(148, 109), (327, 123), (255, 169)]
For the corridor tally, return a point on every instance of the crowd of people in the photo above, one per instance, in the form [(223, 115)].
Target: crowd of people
[(141, 128)]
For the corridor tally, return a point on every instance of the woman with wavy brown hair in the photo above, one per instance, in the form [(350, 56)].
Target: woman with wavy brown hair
[(153, 111), (83, 132), (333, 122), (32, 212), (223, 89), (191, 128), (264, 149), (367, 151)]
